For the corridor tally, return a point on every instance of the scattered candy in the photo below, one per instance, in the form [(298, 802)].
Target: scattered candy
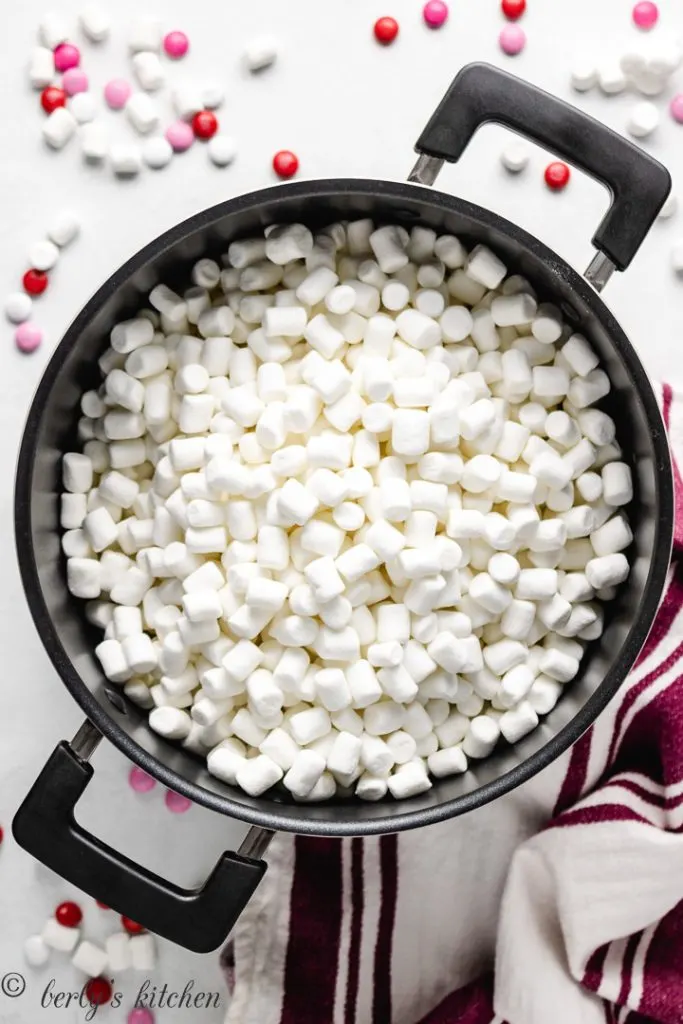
[(157, 153), (513, 9), (94, 142), (213, 96), (557, 175), (43, 255), (36, 951), (98, 991), (143, 952), (515, 157), (131, 926), (176, 45), (51, 98), (512, 40), (56, 936), (176, 803), (69, 914), (140, 1015), (261, 53), (148, 70), (140, 781), (126, 160), (53, 30), (35, 281), (42, 67), (145, 35), (670, 207), (584, 76), (611, 78), (117, 92), (285, 163), (64, 228), (386, 30), (221, 150), (204, 124), (642, 120), (18, 307), (142, 112), (83, 107), (676, 107), (28, 337), (435, 13), (59, 128), (89, 958), (66, 56), (645, 14), (94, 21), (74, 81), (180, 136)]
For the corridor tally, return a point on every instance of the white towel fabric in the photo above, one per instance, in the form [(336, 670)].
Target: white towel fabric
[(571, 886)]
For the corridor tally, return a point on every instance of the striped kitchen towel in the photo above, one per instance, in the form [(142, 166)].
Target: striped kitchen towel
[(561, 903)]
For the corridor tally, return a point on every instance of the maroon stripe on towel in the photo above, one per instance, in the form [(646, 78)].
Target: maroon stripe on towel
[(592, 976), (575, 779), (627, 968), (472, 1004), (388, 860), (314, 932), (357, 883), (668, 610)]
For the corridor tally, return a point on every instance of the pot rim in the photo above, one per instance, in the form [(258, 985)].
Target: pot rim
[(270, 817)]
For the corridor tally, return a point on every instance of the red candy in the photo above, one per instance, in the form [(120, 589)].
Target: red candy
[(132, 927), (98, 991), (204, 124), (386, 30), (2, 834), (557, 175), (51, 98), (285, 164), (69, 914), (34, 282), (513, 9)]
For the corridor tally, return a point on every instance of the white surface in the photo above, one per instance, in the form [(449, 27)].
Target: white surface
[(347, 107)]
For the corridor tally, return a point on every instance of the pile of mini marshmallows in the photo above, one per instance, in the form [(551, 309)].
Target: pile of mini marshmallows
[(345, 510)]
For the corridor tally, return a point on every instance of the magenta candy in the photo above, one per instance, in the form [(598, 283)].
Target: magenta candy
[(676, 107), (645, 14), (176, 803), (180, 135), (66, 56), (140, 1015), (140, 781), (512, 40), (435, 13), (28, 337), (116, 93), (176, 44), (73, 81)]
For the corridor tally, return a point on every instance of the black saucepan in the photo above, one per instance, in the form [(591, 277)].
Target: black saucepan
[(45, 823)]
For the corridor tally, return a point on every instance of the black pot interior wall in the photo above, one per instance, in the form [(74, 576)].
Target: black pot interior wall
[(51, 431)]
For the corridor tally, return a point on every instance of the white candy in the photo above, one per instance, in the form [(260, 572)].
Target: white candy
[(125, 158), (142, 112), (144, 34), (95, 23), (514, 159), (142, 952), (584, 75), (90, 959), (94, 143), (36, 951), (41, 67), (57, 936), (118, 952), (643, 120), (261, 53), (148, 70)]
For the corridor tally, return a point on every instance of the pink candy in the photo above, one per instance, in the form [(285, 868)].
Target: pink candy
[(176, 44), (140, 1015), (66, 56), (74, 81), (676, 107), (512, 40), (140, 781), (176, 803), (116, 93), (435, 13), (28, 337), (645, 14), (180, 135)]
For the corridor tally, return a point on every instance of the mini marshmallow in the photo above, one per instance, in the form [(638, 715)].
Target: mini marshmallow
[(90, 959)]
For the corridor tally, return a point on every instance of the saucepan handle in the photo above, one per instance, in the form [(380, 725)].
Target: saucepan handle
[(197, 919), (480, 94)]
